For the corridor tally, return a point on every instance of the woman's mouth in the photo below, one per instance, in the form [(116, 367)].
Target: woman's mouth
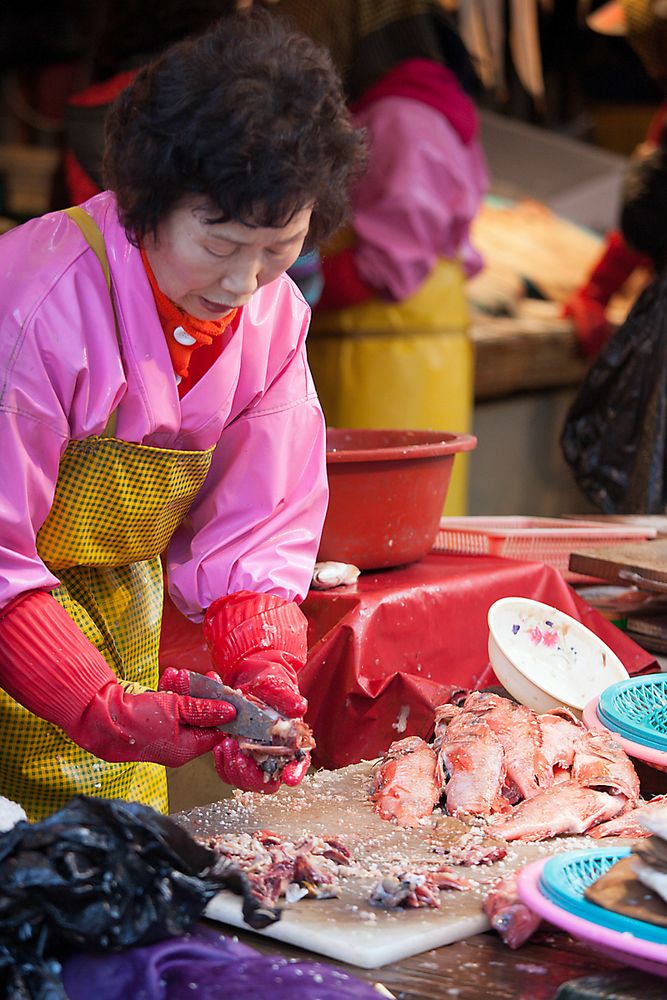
[(219, 309)]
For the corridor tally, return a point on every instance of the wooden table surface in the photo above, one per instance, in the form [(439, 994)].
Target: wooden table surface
[(524, 353), (483, 968)]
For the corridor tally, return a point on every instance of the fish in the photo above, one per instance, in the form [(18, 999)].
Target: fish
[(520, 735), (472, 757), (563, 808), (509, 916), (561, 731), (408, 782), (600, 762), (629, 824)]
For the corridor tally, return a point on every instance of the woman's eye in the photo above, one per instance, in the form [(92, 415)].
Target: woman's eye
[(218, 254)]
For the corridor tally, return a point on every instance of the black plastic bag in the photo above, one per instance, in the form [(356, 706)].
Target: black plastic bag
[(615, 434), (99, 874)]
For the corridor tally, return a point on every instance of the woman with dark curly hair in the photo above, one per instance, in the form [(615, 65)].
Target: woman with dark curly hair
[(155, 399)]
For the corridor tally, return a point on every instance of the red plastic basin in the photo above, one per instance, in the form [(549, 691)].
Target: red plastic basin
[(387, 490)]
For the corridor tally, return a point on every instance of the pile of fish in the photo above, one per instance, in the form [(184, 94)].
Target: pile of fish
[(528, 776)]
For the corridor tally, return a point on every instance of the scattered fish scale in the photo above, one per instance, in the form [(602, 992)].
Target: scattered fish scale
[(471, 850)]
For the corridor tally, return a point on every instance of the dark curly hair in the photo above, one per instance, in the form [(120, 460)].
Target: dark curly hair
[(249, 114)]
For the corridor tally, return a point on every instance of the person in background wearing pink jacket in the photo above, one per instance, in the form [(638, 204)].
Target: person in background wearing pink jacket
[(155, 399), (389, 344)]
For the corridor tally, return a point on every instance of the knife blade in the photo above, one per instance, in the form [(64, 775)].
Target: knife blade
[(251, 722)]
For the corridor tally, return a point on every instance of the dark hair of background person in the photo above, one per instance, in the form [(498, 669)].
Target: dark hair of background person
[(129, 33), (368, 38), (643, 218), (250, 115)]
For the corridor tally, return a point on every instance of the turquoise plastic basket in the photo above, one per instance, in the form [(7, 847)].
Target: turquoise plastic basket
[(564, 878), (637, 710)]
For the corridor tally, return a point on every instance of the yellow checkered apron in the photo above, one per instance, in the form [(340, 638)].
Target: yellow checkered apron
[(115, 508)]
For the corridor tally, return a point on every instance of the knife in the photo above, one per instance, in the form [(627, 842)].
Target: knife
[(252, 721)]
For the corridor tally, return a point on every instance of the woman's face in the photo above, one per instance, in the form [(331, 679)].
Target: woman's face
[(208, 268)]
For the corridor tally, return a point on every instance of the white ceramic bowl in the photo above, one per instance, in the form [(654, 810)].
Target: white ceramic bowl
[(545, 658)]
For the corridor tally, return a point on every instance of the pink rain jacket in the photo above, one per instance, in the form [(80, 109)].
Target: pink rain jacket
[(257, 520), (417, 198)]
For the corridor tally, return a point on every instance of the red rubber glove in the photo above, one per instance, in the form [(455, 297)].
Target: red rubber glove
[(258, 644), (591, 326), (233, 765), (51, 668), (343, 285), (587, 306)]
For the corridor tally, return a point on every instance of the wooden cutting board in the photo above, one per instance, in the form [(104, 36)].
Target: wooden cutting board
[(643, 564), (349, 929)]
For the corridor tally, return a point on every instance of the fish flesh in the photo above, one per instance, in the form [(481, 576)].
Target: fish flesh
[(509, 916), (600, 762), (416, 889), (564, 808), (472, 758), (561, 731), (473, 848), (408, 782), (270, 737), (276, 867), (629, 824), (520, 735)]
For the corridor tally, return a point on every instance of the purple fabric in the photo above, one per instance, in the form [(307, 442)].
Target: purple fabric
[(206, 966)]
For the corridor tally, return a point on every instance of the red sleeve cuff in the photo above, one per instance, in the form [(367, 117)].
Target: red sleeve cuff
[(343, 285), (244, 623)]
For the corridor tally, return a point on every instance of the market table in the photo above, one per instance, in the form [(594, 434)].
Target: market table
[(482, 967), (386, 650)]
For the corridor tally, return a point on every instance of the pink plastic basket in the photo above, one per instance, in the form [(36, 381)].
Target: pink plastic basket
[(624, 948), (548, 540)]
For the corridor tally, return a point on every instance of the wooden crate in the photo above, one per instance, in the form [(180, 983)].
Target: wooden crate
[(27, 173)]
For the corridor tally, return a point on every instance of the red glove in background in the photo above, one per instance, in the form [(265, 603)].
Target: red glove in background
[(50, 667), (591, 326), (258, 644), (343, 285), (587, 306)]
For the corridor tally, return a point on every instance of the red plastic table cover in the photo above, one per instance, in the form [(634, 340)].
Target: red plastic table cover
[(386, 650)]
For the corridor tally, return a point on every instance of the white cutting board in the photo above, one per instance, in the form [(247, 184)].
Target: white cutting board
[(335, 804)]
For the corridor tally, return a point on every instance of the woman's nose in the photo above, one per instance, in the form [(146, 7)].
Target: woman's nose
[(241, 278)]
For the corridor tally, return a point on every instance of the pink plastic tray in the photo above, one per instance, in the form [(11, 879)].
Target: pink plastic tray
[(624, 948), (534, 539), (655, 758)]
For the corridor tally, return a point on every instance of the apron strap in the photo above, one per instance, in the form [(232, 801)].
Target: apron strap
[(95, 241)]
